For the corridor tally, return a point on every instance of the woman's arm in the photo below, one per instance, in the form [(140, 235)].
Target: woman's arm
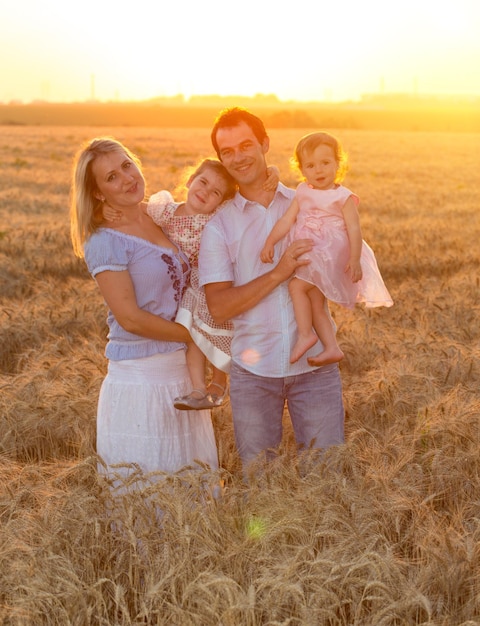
[(119, 294), (352, 221), (226, 301)]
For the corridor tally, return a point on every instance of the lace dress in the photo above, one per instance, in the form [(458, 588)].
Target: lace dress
[(214, 340)]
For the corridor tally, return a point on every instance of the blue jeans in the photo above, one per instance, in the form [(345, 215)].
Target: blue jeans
[(314, 401)]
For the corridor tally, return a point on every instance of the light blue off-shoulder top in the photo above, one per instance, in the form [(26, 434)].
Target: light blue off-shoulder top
[(159, 278)]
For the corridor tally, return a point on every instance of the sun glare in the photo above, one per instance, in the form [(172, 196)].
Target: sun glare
[(192, 49), (451, 23)]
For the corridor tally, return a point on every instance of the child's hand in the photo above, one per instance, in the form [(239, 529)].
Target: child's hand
[(110, 214), (266, 255), (273, 178), (355, 270)]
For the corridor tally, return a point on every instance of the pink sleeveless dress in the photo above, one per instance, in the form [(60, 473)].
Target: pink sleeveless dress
[(320, 218)]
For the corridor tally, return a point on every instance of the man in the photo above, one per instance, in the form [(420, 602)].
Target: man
[(254, 295)]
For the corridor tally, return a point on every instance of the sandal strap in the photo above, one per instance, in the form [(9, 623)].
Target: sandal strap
[(221, 387), (200, 393)]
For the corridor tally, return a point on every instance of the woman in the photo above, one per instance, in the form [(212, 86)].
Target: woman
[(141, 275)]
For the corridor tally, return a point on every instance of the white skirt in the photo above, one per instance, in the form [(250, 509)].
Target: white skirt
[(138, 424)]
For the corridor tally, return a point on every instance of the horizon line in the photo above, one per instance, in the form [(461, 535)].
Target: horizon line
[(266, 99)]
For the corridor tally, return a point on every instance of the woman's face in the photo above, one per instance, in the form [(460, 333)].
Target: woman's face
[(119, 181)]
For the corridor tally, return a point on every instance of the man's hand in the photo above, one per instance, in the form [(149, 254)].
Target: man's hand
[(292, 258)]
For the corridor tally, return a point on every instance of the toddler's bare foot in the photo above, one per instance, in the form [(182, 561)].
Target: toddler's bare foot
[(302, 345), (331, 355)]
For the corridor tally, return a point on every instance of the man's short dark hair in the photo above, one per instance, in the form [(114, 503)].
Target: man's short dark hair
[(234, 116)]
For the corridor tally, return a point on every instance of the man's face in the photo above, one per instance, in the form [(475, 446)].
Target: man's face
[(242, 154)]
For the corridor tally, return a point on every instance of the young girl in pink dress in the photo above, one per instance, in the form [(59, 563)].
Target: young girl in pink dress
[(208, 187), (342, 267)]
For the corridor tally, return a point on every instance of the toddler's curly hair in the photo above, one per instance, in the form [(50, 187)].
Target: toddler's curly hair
[(307, 145)]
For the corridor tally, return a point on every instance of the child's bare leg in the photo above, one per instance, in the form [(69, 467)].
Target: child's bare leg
[(199, 399), (196, 368), (218, 384), (302, 307), (218, 378), (324, 328)]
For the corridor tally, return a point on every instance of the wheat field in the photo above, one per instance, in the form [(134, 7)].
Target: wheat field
[(384, 531)]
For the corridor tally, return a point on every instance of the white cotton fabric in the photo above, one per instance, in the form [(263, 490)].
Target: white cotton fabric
[(138, 424), (232, 240)]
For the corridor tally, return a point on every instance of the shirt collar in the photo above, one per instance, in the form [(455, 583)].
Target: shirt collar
[(241, 203)]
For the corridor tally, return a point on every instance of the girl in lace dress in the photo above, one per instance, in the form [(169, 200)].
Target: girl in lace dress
[(342, 267), (208, 186)]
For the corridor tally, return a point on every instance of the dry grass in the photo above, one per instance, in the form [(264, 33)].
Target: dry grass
[(384, 530)]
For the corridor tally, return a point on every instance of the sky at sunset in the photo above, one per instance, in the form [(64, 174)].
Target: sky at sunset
[(114, 50)]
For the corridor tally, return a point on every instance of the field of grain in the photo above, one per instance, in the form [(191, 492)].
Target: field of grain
[(384, 532)]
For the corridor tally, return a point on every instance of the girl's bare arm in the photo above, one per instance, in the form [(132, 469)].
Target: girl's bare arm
[(354, 231), (281, 228)]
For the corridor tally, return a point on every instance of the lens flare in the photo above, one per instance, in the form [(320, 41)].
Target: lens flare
[(256, 527), (250, 356)]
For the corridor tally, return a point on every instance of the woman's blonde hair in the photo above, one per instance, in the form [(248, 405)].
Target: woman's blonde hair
[(309, 143), (85, 207)]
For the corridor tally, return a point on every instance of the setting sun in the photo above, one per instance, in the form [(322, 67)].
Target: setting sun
[(106, 51)]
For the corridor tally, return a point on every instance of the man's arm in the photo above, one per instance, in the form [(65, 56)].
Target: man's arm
[(226, 301)]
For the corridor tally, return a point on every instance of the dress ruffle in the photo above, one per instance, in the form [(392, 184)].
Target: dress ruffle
[(320, 218)]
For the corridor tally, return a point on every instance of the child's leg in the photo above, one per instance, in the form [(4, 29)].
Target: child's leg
[(196, 367), (218, 385), (219, 381), (199, 398), (324, 328), (302, 307)]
